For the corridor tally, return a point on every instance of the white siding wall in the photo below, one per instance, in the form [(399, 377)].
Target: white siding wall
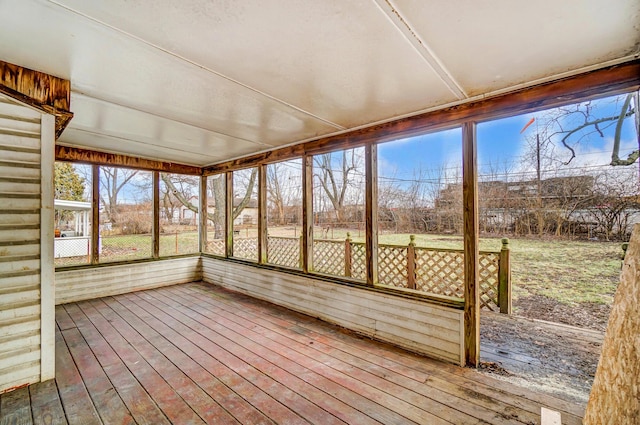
[(416, 325), (20, 251), (83, 284)]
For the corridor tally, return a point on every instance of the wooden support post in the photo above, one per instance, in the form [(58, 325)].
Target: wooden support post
[(95, 214), (471, 252), (301, 259), (155, 234), (47, 268), (347, 255), (504, 278), (371, 213), (228, 216), (202, 216), (263, 247), (307, 213), (411, 262)]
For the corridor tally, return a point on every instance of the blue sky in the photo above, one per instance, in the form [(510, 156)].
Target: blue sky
[(502, 147)]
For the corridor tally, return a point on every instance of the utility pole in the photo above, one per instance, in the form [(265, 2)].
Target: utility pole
[(539, 182)]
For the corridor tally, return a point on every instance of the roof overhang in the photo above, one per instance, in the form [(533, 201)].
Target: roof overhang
[(198, 82)]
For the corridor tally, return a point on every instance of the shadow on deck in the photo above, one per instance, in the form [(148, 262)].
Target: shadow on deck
[(196, 353)]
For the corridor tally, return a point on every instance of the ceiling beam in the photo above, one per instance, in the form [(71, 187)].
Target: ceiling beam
[(608, 81), (44, 92), (71, 154), (421, 47)]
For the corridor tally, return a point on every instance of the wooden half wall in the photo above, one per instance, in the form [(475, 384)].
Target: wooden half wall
[(95, 282), (27, 317), (418, 326)]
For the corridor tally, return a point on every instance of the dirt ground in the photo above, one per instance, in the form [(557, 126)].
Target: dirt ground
[(582, 315), (530, 350)]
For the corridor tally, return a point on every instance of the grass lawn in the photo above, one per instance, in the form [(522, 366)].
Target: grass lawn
[(570, 272)]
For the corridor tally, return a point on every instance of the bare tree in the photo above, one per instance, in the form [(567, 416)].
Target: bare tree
[(614, 200), (336, 173), (177, 191), (112, 181), (181, 188), (283, 189), (575, 123)]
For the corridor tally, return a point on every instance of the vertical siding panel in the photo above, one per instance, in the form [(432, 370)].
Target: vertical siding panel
[(20, 262), (47, 288)]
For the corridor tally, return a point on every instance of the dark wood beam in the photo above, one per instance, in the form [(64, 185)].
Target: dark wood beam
[(155, 234), (95, 214), (65, 153), (45, 92), (371, 213), (228, 216), (202, 217), (307, 214), (471, 250), (262, 214), (604, 82)]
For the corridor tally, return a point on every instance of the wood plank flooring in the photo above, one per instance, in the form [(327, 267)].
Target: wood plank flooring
[(196, 353)]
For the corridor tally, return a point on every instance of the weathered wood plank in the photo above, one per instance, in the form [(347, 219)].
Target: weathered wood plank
[(155, 232), (228, 389), (77, 404), (138, 402), (95, 214), (279, 412), (45, 92), (107, 321), (15, 408), (228, 216), (471, 249), (81, 284), (262, 215), (371, 213), (109, 406), (356, 309), (63, 319), (46, 406), (307, 214), (85, 156), (203, 214), (481, 407), (285, 367), (243, 321), (458, 380)]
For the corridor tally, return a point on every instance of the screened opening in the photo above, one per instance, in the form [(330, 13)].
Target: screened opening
[(245, 214), (339, 213), (420, 214), (284, 213)]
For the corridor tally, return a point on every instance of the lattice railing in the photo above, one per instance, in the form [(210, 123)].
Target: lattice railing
[(440, 272), (392, 266), (358, 261), (246, 248), (283, 251), (215, 246), (488, 276), (436, 271), (328, 256)]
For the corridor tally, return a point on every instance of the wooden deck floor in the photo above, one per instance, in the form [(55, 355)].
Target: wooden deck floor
[(195, 353)]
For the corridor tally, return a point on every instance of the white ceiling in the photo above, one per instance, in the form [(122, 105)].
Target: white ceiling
[(203, 81)]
